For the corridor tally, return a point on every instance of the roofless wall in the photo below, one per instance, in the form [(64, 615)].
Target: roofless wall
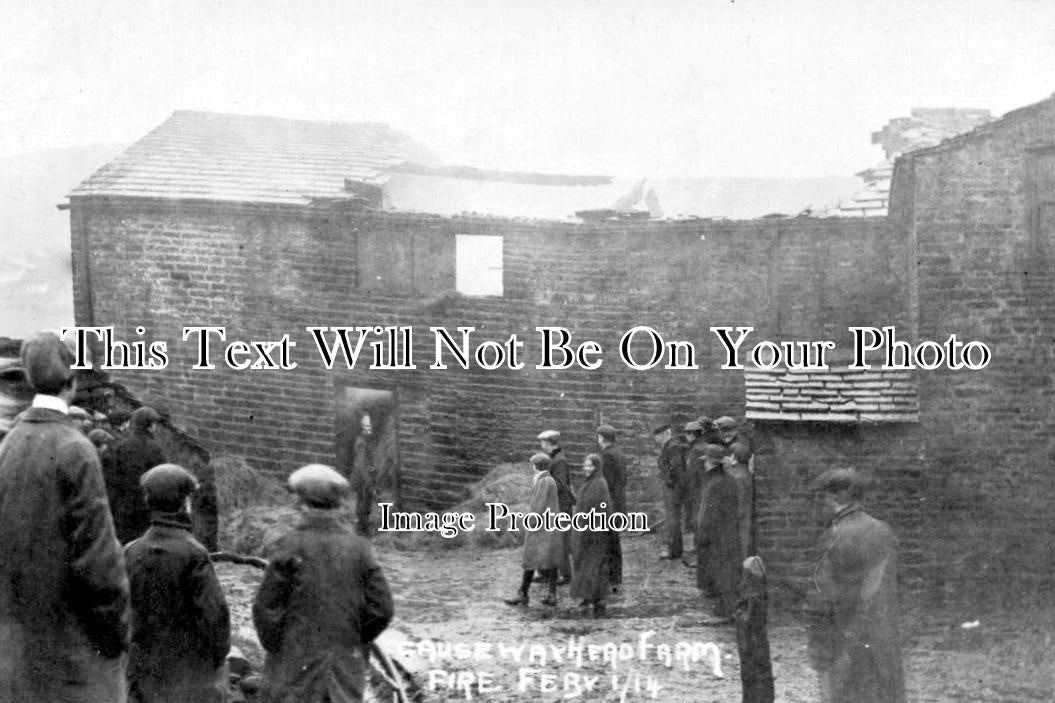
[(264, 271)]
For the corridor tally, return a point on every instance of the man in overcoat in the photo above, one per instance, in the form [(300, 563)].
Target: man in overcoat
[(181, 629), (718, 551), (672, 476), (134, 455), (549, 441), (851, 603), (543, 549), (63, 591), (364, 474), (613, 466), (322, 601)]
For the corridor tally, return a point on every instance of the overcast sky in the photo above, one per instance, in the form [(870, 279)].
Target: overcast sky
[(692, 88)]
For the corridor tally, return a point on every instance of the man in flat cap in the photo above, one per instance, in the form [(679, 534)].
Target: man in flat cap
[(718, 551), (322, 602), (613, 466), (549, 441), (134, 455), (64, 591), (851, 602), (671, 463), (693, 458), (181, 630), (544, 550)]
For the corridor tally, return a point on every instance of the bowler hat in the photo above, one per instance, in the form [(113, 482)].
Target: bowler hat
[(99, 437), (144, 416)]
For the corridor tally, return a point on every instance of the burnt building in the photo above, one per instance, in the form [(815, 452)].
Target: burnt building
[(266, 227)]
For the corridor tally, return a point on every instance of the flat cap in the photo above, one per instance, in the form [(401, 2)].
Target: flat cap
[(549, 435), (607, 431), (725, 423), (540, 459), (693, 426), (46, 361), (715, 451), (841, 479), (98, 437), (142, 417), (166, 485), (660, 429), (319, 485)]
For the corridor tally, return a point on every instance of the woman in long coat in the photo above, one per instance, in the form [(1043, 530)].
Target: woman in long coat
[(543, 549), (589, 555)]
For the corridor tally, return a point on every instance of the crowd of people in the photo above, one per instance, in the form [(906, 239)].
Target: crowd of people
[(107, 595)]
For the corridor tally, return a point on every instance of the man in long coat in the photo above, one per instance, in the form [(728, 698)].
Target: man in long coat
[(676, 490), (718, 552), (134, 455), (364, 475), (543, 549), (589, 581), (852, 600), (613, 466), (63, 591), (181, 630), (322, 601), (549, 441)]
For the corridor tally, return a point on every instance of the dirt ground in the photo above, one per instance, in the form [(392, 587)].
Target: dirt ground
[(453, 631)]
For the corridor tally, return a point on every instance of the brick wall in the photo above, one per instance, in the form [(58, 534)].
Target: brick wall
[(969, 209), (262, 272)]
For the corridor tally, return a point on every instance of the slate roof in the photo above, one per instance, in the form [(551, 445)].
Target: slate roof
[(241, 158), (833, 395)]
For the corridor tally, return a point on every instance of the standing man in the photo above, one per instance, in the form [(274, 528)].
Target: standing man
[(134, 455), (693, 457), (737, 465), (181, 630), (672, 475), (364, 475), (852, 600), (322, 602), (549, 441), (543, 549), (613, 467), (718, 552), (63, 592)]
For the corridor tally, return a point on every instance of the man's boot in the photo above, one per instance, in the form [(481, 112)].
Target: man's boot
[(521, 598)]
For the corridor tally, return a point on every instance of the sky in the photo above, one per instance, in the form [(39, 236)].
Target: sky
[(704, 88)]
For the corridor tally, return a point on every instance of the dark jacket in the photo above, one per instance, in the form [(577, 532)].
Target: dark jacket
[(613, 466), (589, 556), (671, 462), (852, 606), (718, 552), (558, 469), (181, 630), (363, 472), (133, 456), (64, 592), (323, 598)]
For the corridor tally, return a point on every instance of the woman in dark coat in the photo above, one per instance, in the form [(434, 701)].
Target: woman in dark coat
[(589, 554), (718, 549)]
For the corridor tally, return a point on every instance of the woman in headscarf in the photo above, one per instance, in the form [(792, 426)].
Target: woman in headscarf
[(589, 548)]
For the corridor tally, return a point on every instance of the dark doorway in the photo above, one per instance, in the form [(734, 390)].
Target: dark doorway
[(382, 407)]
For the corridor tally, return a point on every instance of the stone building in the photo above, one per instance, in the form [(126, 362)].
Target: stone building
[(266, 228)]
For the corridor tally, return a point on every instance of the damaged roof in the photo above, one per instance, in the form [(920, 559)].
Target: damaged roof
[(832, 395), (241, 158)]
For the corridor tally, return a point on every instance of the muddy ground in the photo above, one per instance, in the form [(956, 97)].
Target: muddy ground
[(463, 643)]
